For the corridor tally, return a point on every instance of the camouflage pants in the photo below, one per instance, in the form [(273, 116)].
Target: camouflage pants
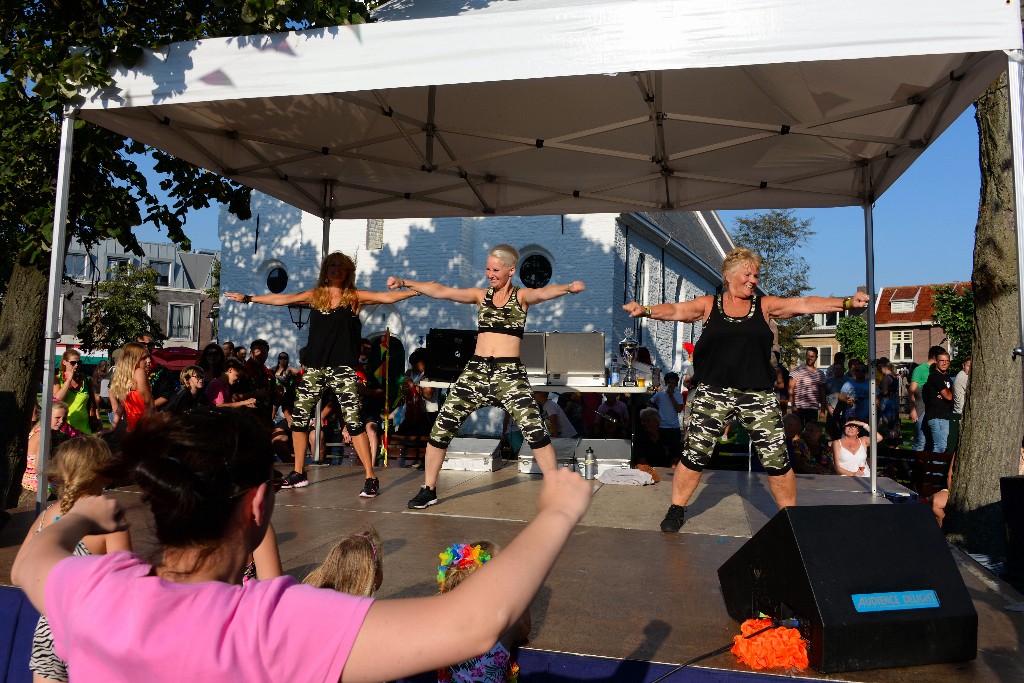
[(342, 381), (758, 411), (498, 382)]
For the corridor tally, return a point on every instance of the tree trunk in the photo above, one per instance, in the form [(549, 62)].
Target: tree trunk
[(22, 326), (993, 421)]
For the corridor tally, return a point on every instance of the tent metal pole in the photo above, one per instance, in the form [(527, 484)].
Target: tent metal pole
[(869, 258), (1015, 84), (52, 334), (325, 248)]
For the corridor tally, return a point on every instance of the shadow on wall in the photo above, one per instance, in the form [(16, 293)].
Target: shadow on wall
[(448, 251), (465, 243), (268, 239)]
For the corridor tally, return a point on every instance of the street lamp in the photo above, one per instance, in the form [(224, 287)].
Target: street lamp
[(214, 316), (299, 314)]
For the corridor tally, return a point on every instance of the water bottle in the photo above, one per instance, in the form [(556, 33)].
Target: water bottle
[(589, 464), (614, 377)]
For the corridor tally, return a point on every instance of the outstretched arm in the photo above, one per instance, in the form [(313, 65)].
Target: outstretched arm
[(272, 299), (368, 297), (684, 311), (780, 308), (529, 297), (506, 585), (37, 557), (469, 295)]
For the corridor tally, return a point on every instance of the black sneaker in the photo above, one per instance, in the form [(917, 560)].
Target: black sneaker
[(295, 480), (673, 521), (371, 487), (426, 497)]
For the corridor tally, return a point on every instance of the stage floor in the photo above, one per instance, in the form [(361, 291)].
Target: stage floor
[(622, 589)]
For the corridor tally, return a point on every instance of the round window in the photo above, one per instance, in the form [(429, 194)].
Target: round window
[(535, 271), (277, 280)]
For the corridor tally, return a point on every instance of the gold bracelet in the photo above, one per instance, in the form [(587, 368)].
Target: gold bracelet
[(647, 310), (847, 303)]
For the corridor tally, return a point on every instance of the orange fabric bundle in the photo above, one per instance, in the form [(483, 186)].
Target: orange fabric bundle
[(649, 470), (779, 647)]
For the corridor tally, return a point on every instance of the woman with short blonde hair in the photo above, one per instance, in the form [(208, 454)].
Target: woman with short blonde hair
[(494, 375), (733, 374)]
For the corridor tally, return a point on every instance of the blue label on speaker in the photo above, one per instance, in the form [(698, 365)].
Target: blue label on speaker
[(885, 602)]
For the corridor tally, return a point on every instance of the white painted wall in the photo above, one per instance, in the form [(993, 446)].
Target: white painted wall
[(452, 251)]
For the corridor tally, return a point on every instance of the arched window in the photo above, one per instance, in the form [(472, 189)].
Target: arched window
[(535, 270), (277, 280)]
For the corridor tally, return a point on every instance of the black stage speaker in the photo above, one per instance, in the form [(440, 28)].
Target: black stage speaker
[(448, 351), (1012, 490), (873, 586)]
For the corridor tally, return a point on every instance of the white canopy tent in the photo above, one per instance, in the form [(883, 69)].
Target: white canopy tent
[(569, 106)]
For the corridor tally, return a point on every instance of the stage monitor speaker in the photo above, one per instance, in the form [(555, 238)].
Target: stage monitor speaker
[(873, 586), (1012, 490), (448, 351)]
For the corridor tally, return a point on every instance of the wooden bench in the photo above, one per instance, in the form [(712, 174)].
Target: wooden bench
[(923, 472), (403, 446)]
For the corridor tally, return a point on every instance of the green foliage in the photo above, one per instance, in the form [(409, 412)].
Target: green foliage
[(50, 50), (213, 291), (776, 236), (119, 315), (954, 311), (852, 335)]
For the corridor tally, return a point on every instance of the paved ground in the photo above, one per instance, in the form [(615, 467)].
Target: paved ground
[(622, 589)]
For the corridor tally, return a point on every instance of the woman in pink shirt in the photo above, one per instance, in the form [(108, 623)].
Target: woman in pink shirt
[(208, 479)]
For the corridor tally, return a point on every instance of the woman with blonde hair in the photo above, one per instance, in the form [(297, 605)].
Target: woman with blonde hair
[(733, 374), (494, 375), (355, 565), (77, 465), (130, 395), (330, 358)]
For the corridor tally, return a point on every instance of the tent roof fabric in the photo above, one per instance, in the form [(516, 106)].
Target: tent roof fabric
[(534, 107)]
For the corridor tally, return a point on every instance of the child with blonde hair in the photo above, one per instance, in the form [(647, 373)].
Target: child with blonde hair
[(355, 565), (77, 465), (496, 665), (30, 479)]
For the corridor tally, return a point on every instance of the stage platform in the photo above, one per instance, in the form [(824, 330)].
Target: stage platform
[(624, 599)]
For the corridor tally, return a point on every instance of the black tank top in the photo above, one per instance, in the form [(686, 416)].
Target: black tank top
[(333, 338), (735, 353)]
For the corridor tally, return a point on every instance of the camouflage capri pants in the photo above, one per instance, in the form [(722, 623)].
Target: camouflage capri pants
[(343, 382), (498, 382), (758, 411)]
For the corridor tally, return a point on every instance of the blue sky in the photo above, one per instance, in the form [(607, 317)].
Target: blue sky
[(924, 223)]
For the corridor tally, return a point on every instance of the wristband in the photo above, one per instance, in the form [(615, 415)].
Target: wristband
[(403, 285), (247, 299), (847, 302), (647, 311)]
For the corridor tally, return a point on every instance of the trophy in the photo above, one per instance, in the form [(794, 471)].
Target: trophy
[(628, 347)]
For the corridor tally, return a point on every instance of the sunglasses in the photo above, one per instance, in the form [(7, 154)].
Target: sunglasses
[(73, 362), (282, 357), (275, 483)]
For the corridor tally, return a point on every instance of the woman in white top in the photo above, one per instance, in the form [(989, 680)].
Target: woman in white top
[(850, 451)]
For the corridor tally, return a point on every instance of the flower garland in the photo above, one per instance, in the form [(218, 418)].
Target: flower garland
[(462, 556), (778, 647)]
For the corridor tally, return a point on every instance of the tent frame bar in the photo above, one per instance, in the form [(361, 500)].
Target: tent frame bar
[(52, 334), (1015, 85)]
